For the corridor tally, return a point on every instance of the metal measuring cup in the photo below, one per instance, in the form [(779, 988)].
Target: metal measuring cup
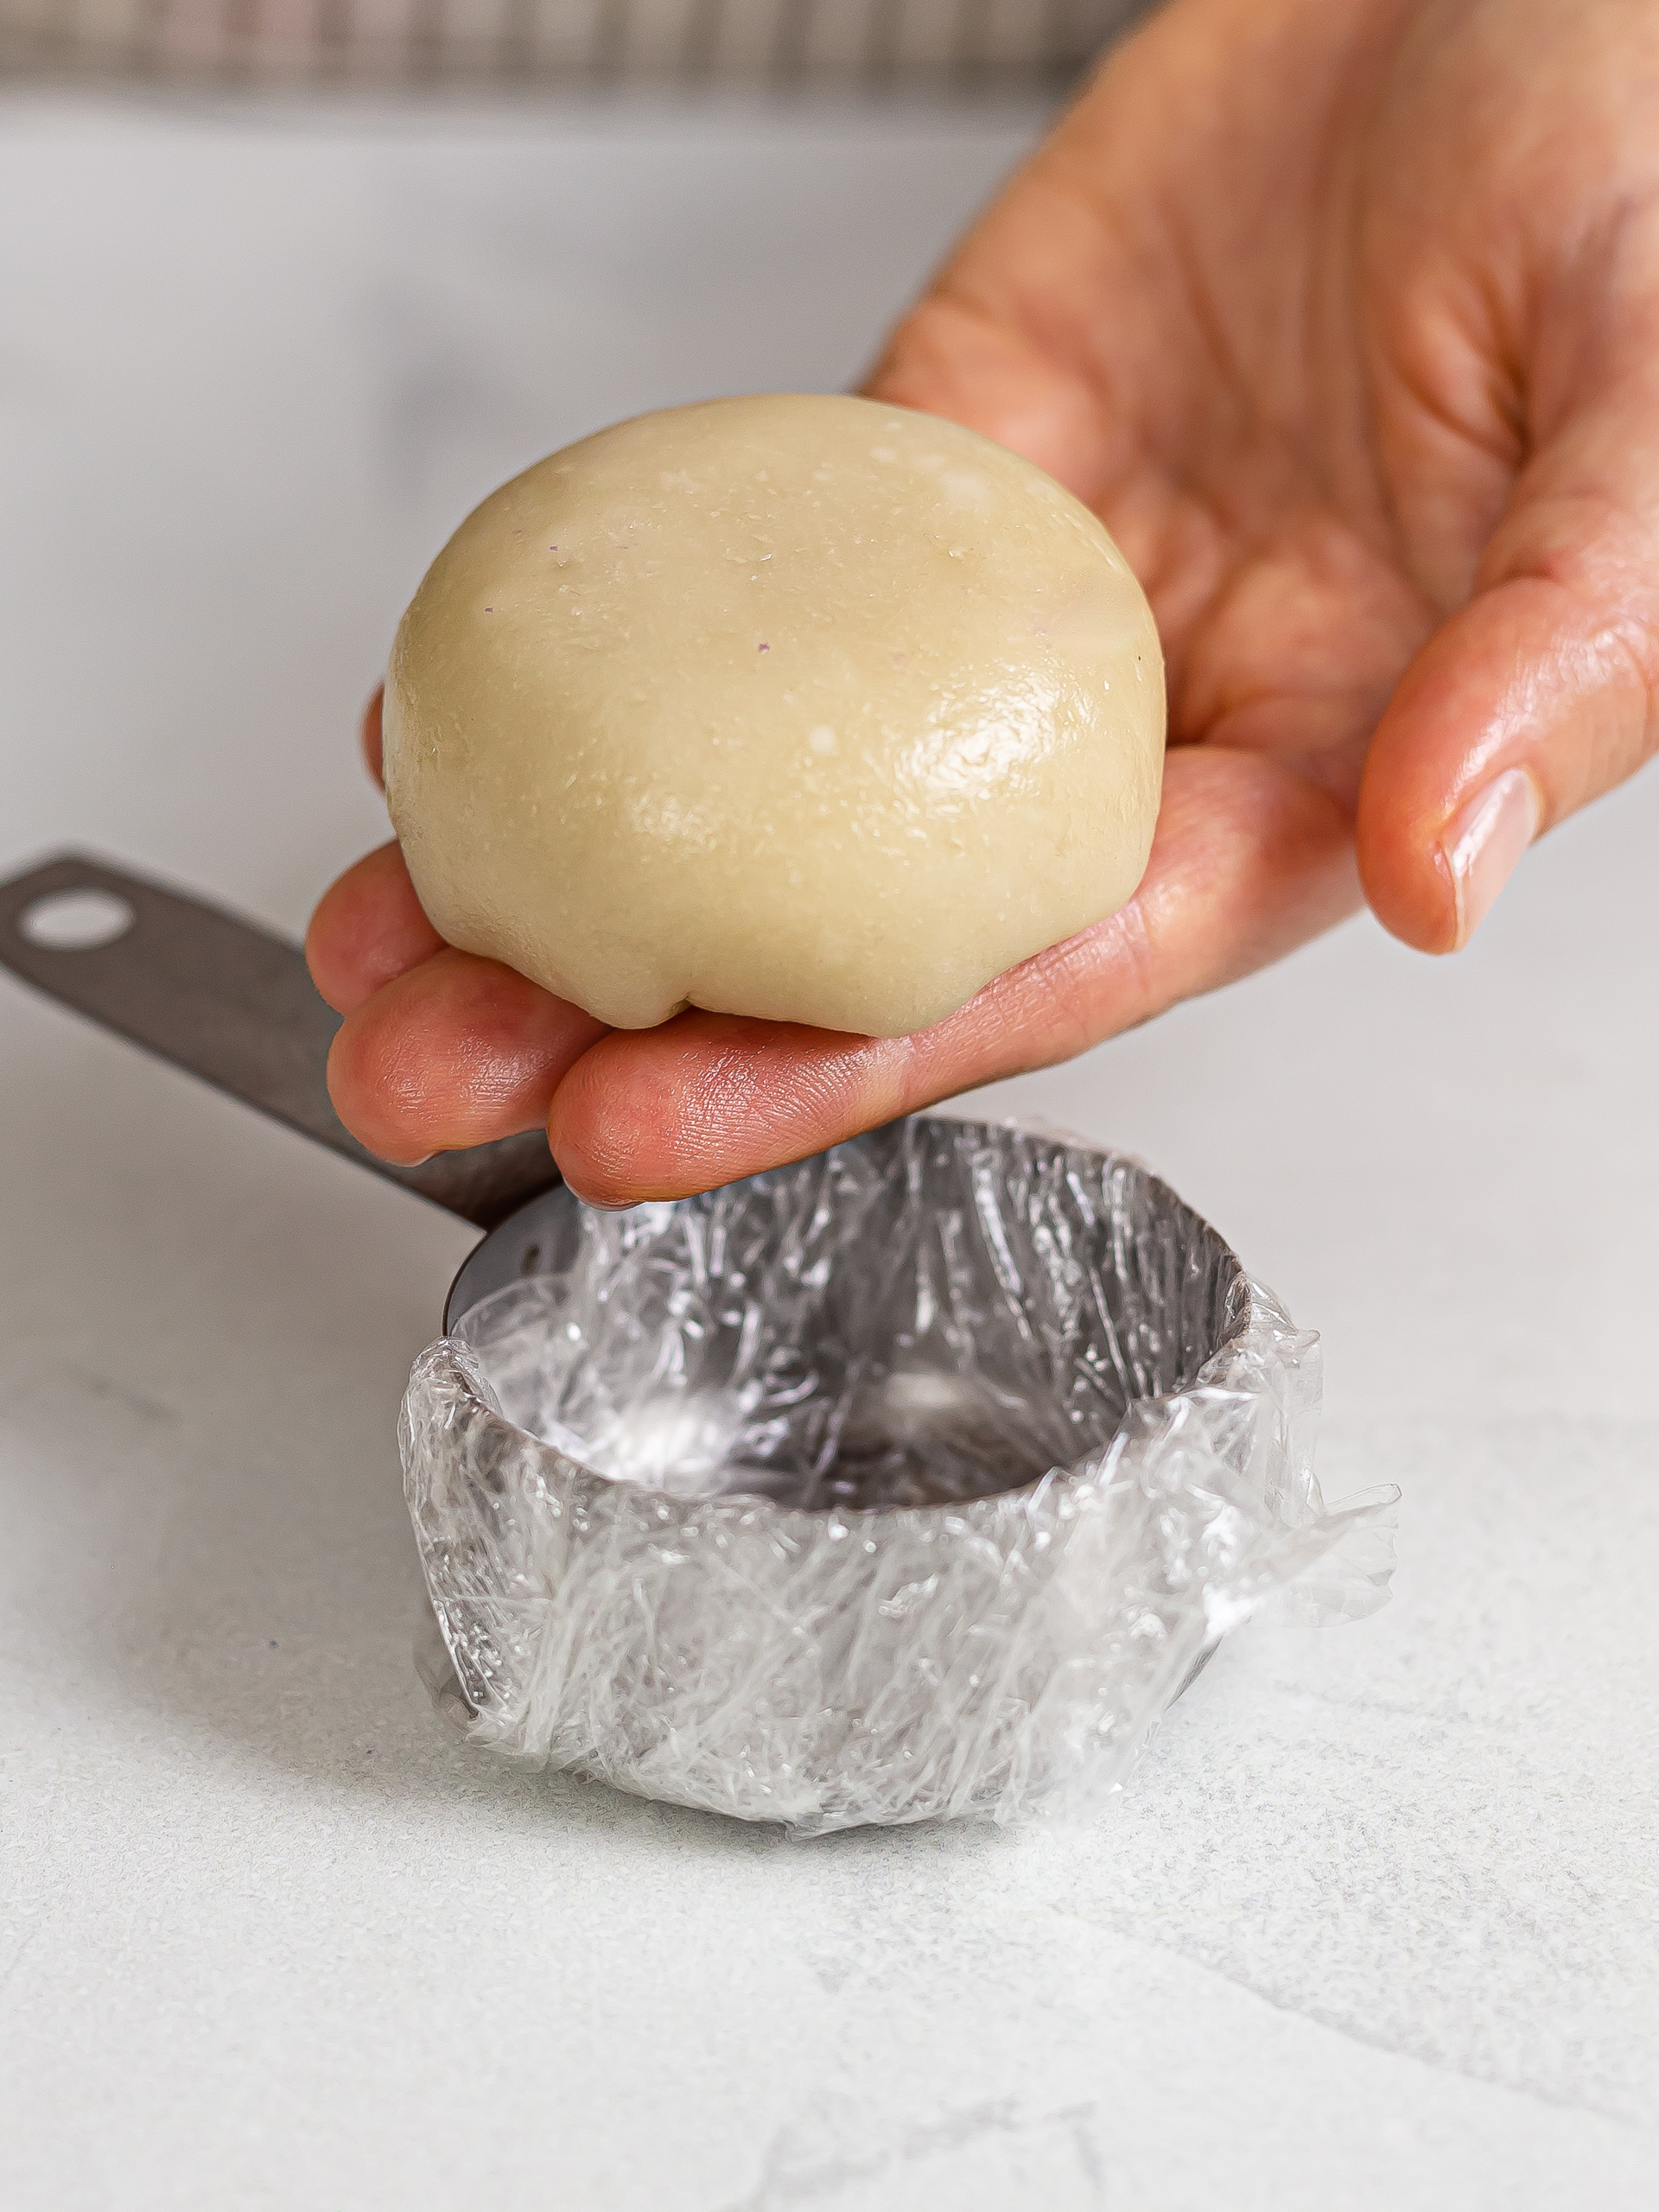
[(913, 1480)]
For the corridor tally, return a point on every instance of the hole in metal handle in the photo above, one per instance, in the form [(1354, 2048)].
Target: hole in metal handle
[(76, 921)]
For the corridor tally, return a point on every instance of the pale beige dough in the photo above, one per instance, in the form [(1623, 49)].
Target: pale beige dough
[(806, 708)]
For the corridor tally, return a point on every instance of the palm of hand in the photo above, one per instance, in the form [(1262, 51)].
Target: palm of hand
[(1334, 314), (1342, 320), (1170, 313)]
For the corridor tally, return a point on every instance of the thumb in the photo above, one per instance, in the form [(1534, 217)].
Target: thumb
[(1543, 691), (954, 355), (1001, 339)]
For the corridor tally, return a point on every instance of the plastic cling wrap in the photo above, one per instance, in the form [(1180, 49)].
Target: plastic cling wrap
[(912, 1480)]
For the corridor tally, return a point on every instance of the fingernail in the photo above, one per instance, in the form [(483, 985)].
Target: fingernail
[(1484, 842)]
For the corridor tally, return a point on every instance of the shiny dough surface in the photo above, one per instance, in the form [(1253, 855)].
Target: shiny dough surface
[(806, 708)]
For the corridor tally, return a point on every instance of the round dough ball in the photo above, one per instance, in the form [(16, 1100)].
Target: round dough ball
[(812, 709)]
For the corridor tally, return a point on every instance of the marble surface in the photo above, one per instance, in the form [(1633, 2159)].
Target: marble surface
[(1374, 1922)]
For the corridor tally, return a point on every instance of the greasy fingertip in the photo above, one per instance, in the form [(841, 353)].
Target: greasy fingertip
[(455, 1052), (369, 928), (1529, 702)]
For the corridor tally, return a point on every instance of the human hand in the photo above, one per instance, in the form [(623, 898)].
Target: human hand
[(1346, 319)]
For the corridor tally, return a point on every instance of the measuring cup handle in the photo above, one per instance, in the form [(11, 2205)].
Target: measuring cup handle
[(231, 1002)]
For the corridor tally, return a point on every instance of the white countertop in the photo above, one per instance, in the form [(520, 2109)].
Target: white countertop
[(1376, 1924)]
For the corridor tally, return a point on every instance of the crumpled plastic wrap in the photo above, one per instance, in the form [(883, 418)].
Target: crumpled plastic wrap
[(912, 1480)]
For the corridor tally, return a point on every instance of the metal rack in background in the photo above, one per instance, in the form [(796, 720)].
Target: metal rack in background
[(389, 42)]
